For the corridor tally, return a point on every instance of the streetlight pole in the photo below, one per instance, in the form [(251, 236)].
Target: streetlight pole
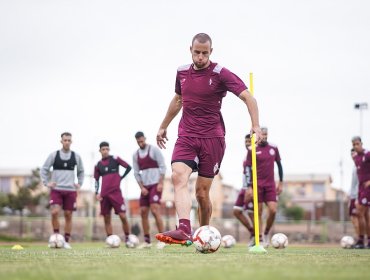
[(361, 106)]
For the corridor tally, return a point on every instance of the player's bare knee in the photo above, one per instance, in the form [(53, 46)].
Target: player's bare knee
[(55, 210), (68, 215), (178, 179), (107, 219), (154, 208), (272, 211), (202, 197), (144, 212), (237, 213)]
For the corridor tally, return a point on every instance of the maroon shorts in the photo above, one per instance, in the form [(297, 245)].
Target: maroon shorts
[(154, 196), (352, 211), (66, 199), (241, 205), (364, 196), (266, 194), (205, 153), (112, 200)]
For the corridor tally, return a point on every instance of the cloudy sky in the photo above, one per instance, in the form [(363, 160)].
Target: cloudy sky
[(105, 69)]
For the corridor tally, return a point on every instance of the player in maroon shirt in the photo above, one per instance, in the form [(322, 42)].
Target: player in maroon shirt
[(362, 162), (200, 88), (267, 154), (111, 195), (244, 202)]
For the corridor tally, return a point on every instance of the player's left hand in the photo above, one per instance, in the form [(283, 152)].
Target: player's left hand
[(77, 186), (279, 188), (258, 134), (367, 184)]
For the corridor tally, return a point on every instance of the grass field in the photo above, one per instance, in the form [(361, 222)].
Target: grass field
[(93, 261)]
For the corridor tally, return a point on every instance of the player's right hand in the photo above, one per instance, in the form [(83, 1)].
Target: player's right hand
[(144, 191), (162, 138), (98, 197), (51, 185)]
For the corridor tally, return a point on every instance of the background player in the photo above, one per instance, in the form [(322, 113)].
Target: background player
[(353, 194), (245, 197), (266, 154), (149, 171), (200, 88), (362, 162), (111, 195), (63, 192)]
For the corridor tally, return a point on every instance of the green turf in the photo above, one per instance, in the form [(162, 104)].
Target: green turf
[(93, 261)]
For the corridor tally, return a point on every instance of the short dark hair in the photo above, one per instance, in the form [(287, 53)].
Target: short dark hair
[(247, 136), (202, 38), (139, 134), (103, 144), (65, 134), (356, 138)]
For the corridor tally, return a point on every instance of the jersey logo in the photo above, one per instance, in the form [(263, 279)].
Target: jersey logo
[(215, 168), (272, 152), (210, 81)]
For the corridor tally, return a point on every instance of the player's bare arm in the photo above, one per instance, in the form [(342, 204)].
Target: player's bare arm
[(173, 109), (251, 103)]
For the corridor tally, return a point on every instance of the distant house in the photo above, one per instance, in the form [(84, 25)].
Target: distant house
[(314, 193), (11, 178)]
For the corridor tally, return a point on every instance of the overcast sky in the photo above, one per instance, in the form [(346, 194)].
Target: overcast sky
[(106, 69)]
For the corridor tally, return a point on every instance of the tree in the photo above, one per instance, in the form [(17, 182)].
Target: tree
[(24, 198)]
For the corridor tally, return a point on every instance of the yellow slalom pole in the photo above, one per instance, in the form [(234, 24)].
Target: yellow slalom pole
[(256, 248)]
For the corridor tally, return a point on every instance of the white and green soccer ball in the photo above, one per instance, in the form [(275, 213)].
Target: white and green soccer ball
[(228, 241), (207, 239), (347, 242), (113, 241), (279, 241), (56, 241), (133, 241)]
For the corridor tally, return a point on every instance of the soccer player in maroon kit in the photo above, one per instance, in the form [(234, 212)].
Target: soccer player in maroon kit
[(111, 195), (244, 202), (362, 162), (266, 154), (200, 88)]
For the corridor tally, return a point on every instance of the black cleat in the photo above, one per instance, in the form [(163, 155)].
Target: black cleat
[(359, 245)]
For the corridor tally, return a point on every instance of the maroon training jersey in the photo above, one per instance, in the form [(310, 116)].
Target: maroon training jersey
[(266, 156), (362, 162), (202, 92), (112, 181)]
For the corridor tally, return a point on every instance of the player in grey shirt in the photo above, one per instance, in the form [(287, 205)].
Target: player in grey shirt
[(61, 181), (149, 171)]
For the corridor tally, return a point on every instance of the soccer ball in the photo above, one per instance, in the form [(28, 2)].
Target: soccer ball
[(56, 240), (347, 242), (113, 241), (132, 241), (279, 241), (228, 241), (207, 239)]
